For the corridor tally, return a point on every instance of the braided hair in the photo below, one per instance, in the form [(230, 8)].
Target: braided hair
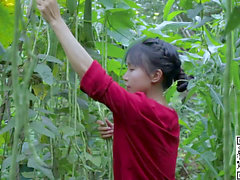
[(152, 54)]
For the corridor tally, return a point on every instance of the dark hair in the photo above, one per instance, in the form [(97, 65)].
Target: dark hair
[(152, 54)]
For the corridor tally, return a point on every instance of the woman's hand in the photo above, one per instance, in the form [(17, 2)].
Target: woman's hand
[(106, 130), (49, 10)]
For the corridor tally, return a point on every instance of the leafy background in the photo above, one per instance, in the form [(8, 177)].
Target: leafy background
[(48, 125)]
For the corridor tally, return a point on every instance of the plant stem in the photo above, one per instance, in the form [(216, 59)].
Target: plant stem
[(15, 89), (227, 82)]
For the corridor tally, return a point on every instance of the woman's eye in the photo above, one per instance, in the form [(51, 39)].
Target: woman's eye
[(131, 69)]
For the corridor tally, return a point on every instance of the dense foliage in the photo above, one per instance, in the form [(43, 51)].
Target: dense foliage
[(48, 125)]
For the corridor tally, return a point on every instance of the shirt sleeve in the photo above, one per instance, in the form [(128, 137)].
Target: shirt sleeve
[(101, 87)]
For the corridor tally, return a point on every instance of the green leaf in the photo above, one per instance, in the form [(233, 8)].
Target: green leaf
[(202, 1), (167, 9), (49, 58), (45, 72), (181, 122), (2, 50), (6, 24), (205, 160), (114, 66), (131, 4), (186, 4), (9, 126), (36, 165), (215, 96), (40, 128), (112, 50), (7, 161), (203, 22), (2, 140), (234, 20), (192, 13), (67, 131), (108, 4), (95, 160), (122, 26), (173, 14), (210, 37), (48, 123), (170, 92), (72, 6), (82, 103), (170, 25), (198, 129)]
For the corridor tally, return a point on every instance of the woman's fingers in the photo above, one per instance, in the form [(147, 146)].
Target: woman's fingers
[(106, 136), (105, 129), (101, 123), (109, 123), (49, 10)]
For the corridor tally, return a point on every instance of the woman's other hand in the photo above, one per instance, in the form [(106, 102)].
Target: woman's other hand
[(105, 129), (49, 10)]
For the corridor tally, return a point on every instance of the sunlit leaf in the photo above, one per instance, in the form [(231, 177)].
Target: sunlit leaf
[(7, 22), (40, 90), (112, 50), (167, 9)]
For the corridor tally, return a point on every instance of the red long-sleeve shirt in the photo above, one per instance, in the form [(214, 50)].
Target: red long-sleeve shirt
[(146, 133)]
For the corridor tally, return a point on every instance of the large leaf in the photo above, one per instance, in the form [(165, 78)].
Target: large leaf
[(234, 20), (6, 22), (192, 13), (122, 26), (41, 129), (36, 165), (112, 50), (48, 123), (45, 72), (114, 66)]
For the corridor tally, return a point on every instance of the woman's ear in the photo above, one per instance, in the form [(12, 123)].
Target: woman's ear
[(157, 76)]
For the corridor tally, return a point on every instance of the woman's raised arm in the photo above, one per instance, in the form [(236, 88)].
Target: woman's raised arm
[(77, 55)]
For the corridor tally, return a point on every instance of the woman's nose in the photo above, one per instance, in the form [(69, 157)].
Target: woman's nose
[(125, 77)]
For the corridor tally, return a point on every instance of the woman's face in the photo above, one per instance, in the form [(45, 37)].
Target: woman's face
[(136, 79)]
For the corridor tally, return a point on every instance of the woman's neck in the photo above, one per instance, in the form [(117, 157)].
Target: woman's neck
[(156, 94)]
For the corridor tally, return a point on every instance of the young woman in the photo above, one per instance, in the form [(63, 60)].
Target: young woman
[(146, 130)]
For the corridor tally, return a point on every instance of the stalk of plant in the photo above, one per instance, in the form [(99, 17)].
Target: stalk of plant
[(227, 83), (16, 90), (20, 90)]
